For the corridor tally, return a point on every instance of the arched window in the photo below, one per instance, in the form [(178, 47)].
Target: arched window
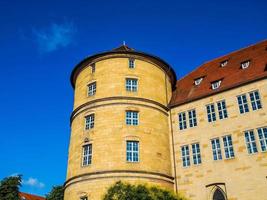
[(218, 195)]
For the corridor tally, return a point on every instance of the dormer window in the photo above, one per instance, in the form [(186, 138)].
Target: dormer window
[(198, 80), (245, 64), (215, 85), (224, 63)]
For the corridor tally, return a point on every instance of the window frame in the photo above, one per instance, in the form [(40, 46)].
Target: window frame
[(87, 156), (131, 63), (196, 153), (216, 84), (89, 124), (254, 101), (222, 109), (243, 104), (228, 147), (130, 86), (216, 149), (245, 64), (91, 89), (132, 152), (250, 143), (192, 118), (132, 119), (182, 120), (211, 115), (263, 139), (185, 156)]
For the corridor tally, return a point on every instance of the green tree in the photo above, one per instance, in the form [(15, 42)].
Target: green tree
[(57, 193), (9, 188), (125, 191)]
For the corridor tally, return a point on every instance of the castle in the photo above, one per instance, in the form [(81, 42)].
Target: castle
[(204, 135)]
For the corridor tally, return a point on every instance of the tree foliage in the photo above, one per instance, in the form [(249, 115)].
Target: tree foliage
[(57, 193), (125, 191), (9, 188)]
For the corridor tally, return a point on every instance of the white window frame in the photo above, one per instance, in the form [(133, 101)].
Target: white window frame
[(215, 85), (182, 121), (222, 109), (87, 154), (192, 116), (216, 149), (242, 102), (245, 64), (255, 100), (131, 84), (91, 89), (262, 134), (132, 154), (89, 121), (131, 63), (228, 147), (198, 81), (224, 63), (196, 154), (250, 141), (132, 118), (185, 154), (211, 112)]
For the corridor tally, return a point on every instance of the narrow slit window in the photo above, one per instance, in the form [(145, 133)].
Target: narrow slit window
[(93, 68)]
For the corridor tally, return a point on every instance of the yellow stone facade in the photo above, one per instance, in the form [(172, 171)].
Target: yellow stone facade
[(160, 140)]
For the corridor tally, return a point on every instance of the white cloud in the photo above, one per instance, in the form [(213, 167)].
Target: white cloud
[(54, 36), (33, 182)]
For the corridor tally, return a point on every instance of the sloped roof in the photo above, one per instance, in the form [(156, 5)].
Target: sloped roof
[(25, 196), (231, 75)]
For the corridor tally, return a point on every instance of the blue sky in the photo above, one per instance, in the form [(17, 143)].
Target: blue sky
[(41, 41)]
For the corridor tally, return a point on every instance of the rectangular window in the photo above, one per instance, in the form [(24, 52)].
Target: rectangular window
[(182, 121), (192, 118), (242, 103), (196, 154), (131, 84), (262, 132), (222, 109), (132, 118), (211, 112), (92, 89), (89, 121), (132, 151), (185, 156), (228, 146), (87, 154), (216, 149), (255, 100), (251, 142), (131, 63)]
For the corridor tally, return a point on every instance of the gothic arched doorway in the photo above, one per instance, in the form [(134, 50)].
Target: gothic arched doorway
[(218, 195)]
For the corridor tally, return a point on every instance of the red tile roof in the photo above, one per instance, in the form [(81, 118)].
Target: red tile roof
[(231, 75), (29, 196)]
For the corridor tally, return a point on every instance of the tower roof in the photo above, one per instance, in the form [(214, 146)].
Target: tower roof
[(122, 50)]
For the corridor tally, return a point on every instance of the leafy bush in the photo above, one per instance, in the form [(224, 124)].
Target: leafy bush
[(125, 191), (57, 193), (9, 188)]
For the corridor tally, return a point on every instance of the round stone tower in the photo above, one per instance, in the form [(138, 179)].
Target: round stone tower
[(120, 123)]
